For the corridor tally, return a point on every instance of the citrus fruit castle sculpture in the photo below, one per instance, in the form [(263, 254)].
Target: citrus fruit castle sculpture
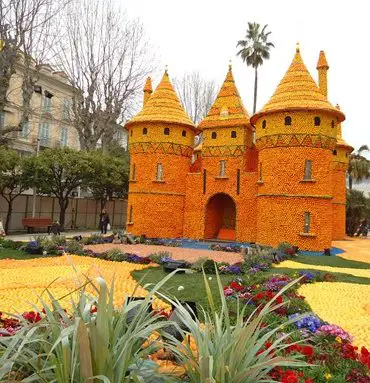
[(278, 176)]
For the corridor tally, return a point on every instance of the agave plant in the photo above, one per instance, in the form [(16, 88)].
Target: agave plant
[(84, 346), (226, 352)]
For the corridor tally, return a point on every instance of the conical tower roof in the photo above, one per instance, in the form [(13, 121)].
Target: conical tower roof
[(228, 109), (163, 106), (298, 91)]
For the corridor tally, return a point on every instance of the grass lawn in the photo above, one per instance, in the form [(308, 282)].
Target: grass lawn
[(16, 254), (194, 289)]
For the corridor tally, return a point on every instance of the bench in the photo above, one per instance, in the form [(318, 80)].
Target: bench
[(36, 222)]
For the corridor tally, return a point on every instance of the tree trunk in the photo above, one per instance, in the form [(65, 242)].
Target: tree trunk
[(63, 204), (8, 215), (255, 89), (350, 181)]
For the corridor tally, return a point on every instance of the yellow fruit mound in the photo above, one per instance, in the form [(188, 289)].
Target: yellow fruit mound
[(22, 281), (340, 303)]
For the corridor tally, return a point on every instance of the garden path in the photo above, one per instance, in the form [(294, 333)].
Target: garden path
[(190, 255)]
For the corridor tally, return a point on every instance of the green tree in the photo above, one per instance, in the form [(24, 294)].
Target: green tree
[(358, 208), (254, 49), (110, 176), (59, 172), (359, 166), (15, 178)]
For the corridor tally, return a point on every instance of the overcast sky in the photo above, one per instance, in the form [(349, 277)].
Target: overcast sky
[(201, 35)]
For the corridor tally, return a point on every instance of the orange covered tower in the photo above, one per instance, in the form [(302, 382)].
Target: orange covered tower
[(161, 137), (220, 202), (340, 167), (296, 133)]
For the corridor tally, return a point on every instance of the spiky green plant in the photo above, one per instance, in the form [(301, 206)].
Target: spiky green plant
[(226, 352), (81, 347)]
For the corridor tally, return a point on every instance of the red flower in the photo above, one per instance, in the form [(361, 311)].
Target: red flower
[(236, 286), (279, 299), (309, 381), (307, 351), (32, 317)]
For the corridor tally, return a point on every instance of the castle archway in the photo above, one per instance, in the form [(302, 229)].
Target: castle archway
[(220, 218)]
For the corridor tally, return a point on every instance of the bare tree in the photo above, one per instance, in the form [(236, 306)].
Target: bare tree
[(27, 32), (196, 95), (107, 58)]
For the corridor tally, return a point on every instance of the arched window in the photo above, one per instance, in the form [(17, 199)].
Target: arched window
[(233, 134), (166, 131), (260, 177), (307, 222), (145, 131), (159, 174), (214, 135), (133, 172), (264, 123), (308, 170), (222, 172), (332, 123), (131, 132), (184, 133), (334, 152), (288, 120), (317, 121)]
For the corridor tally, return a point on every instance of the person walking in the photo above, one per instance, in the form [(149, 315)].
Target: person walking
[(104, 221)]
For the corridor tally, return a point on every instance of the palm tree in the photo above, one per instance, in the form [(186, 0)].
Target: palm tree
[(359, 166), (254, 49)]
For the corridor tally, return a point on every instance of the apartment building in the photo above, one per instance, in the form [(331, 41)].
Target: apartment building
[(49, 122)]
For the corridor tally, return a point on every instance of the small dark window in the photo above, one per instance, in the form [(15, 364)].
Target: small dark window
[(166, 131), (214, 135), (131, 132), (145, 131), (334, 152), (233, 134), (332, 123), (317, 121), (133, 174), (288, 120), (204, 181), (260, 171), (238, 182), (347, 155), (131, 214), (307, 222), (308, 170), (264, 123), (184, 133)]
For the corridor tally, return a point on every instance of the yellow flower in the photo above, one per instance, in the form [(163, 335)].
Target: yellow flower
[(328, 376), (338, 339), (257, 286)]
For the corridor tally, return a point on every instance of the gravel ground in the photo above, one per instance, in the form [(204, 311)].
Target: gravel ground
[(190, 255)]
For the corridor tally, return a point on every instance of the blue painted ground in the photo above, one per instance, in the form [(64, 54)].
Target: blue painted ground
[(194, 244)]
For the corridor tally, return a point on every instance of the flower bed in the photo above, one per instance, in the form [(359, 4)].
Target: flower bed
[(328, 347)]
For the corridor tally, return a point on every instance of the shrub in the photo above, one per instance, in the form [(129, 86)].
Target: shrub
[(9, 244), (93, 239), (160, 256), (75, 247), (206, 264), (115, 255)]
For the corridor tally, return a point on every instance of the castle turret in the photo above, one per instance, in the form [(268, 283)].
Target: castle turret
[(221, 181), (296, 134), (147, 90), (322, 68), (160, 144), (340, 167)]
